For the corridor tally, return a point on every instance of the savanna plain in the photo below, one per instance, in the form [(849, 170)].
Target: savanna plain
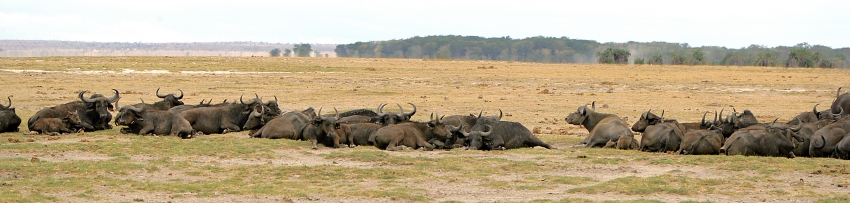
[(107, 166)]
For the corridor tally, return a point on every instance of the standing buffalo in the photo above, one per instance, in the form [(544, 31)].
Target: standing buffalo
[(9, 120), (842, 101), (93, 111), (145, 120), (489, 133), (763, 140), (412, 134), (602, 128), (658, 135), (220, 119), (824, 140)]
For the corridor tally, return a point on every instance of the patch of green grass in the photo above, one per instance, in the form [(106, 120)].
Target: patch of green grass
[(843, 198), (659, 184), (466, 166), (608, 161)]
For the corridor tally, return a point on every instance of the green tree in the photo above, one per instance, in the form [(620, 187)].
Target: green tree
[(287, 52), (342, 50), (274, 52), (656, 59), (613, 56), (766, 58), (639, 61), (302, 50), (698, 57), (678, 59)]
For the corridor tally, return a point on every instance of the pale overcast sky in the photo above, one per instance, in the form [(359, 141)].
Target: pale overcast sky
[(732, 24)]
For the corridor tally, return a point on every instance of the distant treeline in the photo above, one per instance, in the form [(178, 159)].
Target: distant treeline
[(207, 46), (566, 50)]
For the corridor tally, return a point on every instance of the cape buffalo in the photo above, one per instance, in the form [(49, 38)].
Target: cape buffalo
[(9, 120), (220, 119), (322, 129), (144, 120), (824, 140), (815, 116), (411, 134), (763, 140), (458, 139), (93, 111), (702, 142), (168, 101), (489, 133), (658, 135), (287, 126), (358, 134), (734, 122), (842, 101), (57, 126), (842, 149), (602, 128), (393, 118), (806, 132), (272, 109)]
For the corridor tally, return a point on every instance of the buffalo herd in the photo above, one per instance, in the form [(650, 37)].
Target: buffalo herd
[(824, 133)]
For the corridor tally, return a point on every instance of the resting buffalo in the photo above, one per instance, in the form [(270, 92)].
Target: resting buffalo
[(702, 142), (393, 118), (490, 133), (181, 108), (220, 119), (763, 140), (358, 134), (658, 135), (56, 126), (602, 128), (93, 111), (842, 101), (272, 109), (287, 126), (145, 120), (815, 116), (412, 134), (458, 139), (734, 122), (842, 149), (322, 129), (824, 140), (168, 101), (357, 116), (806, 132), (9, 120)]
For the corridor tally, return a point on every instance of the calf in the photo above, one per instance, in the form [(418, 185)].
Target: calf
[(602, 128), (57, 126)]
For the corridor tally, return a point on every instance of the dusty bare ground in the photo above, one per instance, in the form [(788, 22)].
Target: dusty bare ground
[(537, 95)]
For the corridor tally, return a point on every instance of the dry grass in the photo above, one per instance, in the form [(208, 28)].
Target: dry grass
[(215, 167)]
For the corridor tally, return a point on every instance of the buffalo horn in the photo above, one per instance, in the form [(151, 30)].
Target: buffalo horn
[(593, 105), (662, 115), (10, 103), (464, 130), (400, 109), (721, 113), (452, 128), (703, 118), (797, 127), (157, 93), (202, 101), (412, 112), (337, 114), (479, 113), (275, 98), (250, 101), (116, 97), (838, 93), (489, 130), (381, 109), (500, 114), (137, 109), (815, 110), (181, 94), (86, 99)]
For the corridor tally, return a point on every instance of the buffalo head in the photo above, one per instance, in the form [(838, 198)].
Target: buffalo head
[(272, 109), (646, 119), (100, 104), (578, 117), (170, 100), (393, 118), (130, 114), (256, 119)]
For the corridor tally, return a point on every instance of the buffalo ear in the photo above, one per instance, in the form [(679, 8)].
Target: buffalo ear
[(431, 126), (336, 125)]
